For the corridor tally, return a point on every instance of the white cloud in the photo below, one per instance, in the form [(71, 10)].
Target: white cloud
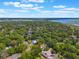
[(59, 6), (37, 1), (71, 9), (62, 7), (63, 12), (18, 4), (48, 14), (40, 1), (45, 11), (35, 8), (2, 11), (59, 12), (24, 6), (21, 11)]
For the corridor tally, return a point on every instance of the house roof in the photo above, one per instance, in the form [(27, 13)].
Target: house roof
[(48, 54)]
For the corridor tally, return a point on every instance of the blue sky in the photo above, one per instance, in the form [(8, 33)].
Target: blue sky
[(39, 8)]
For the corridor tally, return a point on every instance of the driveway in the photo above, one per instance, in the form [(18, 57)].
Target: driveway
[(14, 56)]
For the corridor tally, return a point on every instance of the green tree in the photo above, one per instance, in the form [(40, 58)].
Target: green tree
[(11, 51)]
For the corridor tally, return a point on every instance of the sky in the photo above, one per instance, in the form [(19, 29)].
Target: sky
[(39, 8)]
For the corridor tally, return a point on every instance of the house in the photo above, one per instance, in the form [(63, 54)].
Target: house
[(48, 54), (73, 36)]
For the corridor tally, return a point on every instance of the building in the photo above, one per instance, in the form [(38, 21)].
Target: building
[(49, 55), (34, 42)]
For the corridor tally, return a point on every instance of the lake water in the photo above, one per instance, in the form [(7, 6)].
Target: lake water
[(68, 21)]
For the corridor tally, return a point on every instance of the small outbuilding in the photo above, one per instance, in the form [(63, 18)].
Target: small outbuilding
[(34, 41)]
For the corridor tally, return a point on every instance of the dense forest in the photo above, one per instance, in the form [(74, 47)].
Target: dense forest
[(38, 40)]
